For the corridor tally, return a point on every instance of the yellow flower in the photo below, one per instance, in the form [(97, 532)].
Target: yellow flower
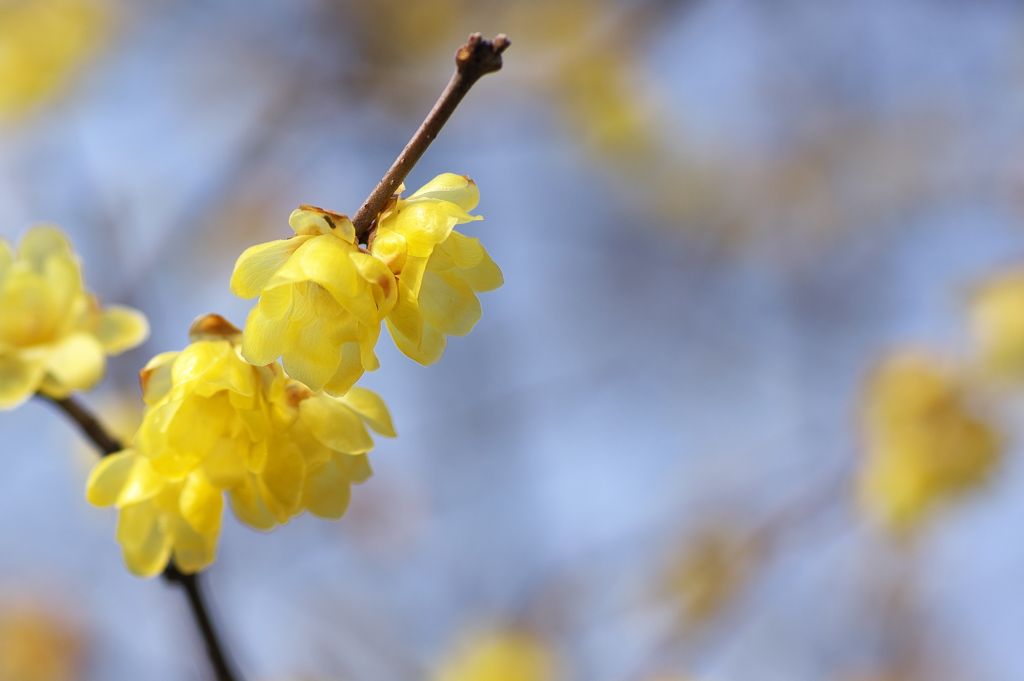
[(502, 655), (215, 423), (41, 42), (439, 270), (53, 334), (997, 315), (322, 299), (323, 451), (925, 441)]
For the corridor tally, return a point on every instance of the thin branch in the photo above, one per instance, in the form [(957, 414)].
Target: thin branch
[(89, 424), (108, 444), (473, 61), (222, 666)]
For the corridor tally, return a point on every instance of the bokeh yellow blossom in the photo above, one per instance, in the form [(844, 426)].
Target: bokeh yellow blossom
[(997, 320), (214, 424), (321, 301), (501, 655), (439, 270), (926, 442), (37, 643), (41, 43), (708, 572), (54, 337), (322, 297)]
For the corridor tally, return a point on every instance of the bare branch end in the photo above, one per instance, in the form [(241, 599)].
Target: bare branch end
[(478, 57)]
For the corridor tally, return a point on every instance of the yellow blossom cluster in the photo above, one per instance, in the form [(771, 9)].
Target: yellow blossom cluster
[(223, 421), (213, 424), (54, 336), (322, 297), (926, 441)]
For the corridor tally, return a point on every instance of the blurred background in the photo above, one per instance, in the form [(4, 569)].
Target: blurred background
[(747, 406)]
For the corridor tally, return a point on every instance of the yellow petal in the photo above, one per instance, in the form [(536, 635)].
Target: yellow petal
[(40, 242), (64, 281), (328, 491), (406, 315), (263, 338), (121, 328), (371, 409), (317, 221), (282, 478), (201, 504), (349, 370), (224, 465), (146, 545), (424, 225), (457, 189), (192, 551), (448, 304), (309, 357), (248, 507), (465, 252), (258, 264), (391, 248), (484, 277), (76, 363), (412, 274), (108, 478), (18, 380), (427, 351), (155, 377), (356, 467), (276, 301), (328, 262), (335, 425)]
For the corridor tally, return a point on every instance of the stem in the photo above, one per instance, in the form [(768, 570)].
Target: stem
[(90, 425), (200, 611), (473, 61), (108, 444)]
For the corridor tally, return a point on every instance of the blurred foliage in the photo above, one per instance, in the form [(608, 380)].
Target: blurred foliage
[(42, 43), (507, 654), (38, 643), (997, 316), (925, 440), (710, 570)]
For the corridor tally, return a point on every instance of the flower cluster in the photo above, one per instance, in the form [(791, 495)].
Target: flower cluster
[(926, 443), (322, 297), (224, 423), (213, 424), (54, 336)]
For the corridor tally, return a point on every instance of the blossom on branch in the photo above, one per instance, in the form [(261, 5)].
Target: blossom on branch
[(439, 270), (322, 297), (54, 336), (214, 424), (321, 301)]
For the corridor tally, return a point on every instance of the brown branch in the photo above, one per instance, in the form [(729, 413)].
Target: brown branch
[(108, 444), (473, 61), (215, 650), (89, 424)]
